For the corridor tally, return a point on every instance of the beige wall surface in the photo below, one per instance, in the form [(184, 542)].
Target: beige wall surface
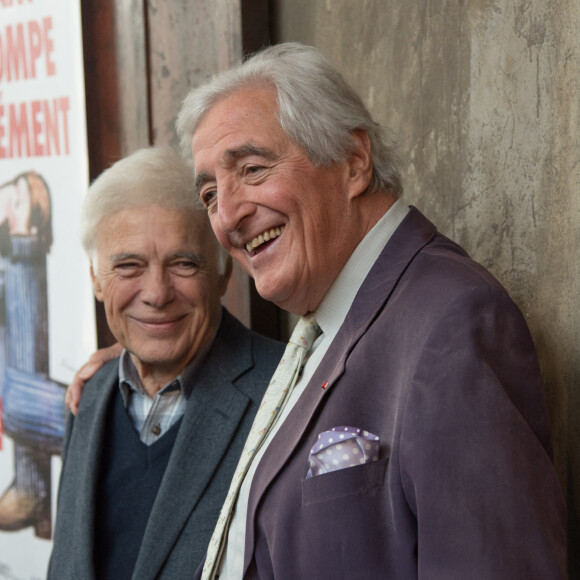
[(483, 100)]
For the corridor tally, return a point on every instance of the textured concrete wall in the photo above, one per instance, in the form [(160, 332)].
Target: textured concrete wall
[(483, 98), (186, 43)]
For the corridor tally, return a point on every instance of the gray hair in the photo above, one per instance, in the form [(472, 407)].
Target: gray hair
[(318, 110), (154, 176)]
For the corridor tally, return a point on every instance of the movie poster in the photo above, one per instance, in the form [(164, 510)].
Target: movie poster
[(47, 326)]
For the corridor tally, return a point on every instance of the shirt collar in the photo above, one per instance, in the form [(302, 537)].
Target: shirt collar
[(337, 302)]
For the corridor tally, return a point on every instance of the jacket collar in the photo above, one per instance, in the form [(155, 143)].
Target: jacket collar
[(215, 407)]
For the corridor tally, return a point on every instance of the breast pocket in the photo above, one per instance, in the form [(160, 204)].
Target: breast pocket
[(344, 482)]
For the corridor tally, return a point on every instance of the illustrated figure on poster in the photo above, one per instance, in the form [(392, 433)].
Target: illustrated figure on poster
[(32, 404)]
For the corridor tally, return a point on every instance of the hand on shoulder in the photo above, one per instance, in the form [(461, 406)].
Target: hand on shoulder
[(86, 372)]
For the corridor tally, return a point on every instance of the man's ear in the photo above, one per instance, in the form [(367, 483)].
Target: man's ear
[(96, 285), (225, 277), (360, 166)]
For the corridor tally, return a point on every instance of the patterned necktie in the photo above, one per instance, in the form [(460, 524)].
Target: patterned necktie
[(275, 398)]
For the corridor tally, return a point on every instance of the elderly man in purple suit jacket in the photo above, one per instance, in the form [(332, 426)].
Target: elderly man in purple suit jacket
[(416, 442), (421, 350)]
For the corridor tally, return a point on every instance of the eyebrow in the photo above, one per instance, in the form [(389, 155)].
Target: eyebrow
[(188, 256), (231, 155), (248, 150), (116, 258)]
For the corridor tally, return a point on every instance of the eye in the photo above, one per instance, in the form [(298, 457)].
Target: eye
[(127, 269), (185, 267), (208, 197), (252, 170)]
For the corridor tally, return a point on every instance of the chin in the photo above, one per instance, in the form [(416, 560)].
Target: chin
[(284, 302), (268, 293), (156, 357)]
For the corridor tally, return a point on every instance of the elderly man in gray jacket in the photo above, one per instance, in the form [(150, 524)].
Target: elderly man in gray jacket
[(149, 456)]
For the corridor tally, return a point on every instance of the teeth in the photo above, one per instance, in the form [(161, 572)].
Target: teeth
[(264, 237)]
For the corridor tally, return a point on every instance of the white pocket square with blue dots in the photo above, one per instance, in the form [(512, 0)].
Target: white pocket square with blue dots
[(340, 448)]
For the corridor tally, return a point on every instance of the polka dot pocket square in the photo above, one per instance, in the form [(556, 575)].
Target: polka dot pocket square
[(342, 447)]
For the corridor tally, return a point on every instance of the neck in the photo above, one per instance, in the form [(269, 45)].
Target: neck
[(376, 205), (153, 378)]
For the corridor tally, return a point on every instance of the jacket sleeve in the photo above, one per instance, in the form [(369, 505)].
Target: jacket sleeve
[(476, 460)]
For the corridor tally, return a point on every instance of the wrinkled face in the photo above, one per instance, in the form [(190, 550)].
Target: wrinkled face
[(289, 223), (155, 271)]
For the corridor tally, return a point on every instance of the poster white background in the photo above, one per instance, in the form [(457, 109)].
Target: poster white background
[(72, 335)]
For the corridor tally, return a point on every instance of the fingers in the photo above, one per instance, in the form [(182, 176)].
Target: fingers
[(75, 389), (86, 372)]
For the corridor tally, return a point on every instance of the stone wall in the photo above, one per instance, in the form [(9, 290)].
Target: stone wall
[(483, 99)]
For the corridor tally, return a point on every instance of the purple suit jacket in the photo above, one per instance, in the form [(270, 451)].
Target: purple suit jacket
[(436, 360)]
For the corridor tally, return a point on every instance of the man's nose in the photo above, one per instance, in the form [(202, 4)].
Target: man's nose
[(234, 205), (157, 287)]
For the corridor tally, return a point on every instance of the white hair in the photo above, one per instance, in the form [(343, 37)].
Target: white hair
[(318, 110), (154, 176)]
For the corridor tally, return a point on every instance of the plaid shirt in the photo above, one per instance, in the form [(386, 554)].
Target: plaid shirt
[(153, 417)]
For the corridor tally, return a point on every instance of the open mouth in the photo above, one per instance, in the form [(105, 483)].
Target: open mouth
[(264, 238)]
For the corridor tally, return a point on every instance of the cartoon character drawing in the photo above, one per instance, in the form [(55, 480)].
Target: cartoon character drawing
[(32, 404)]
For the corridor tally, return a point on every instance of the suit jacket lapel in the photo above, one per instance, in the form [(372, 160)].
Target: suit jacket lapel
[(214, 411), (410, 237), (86, 453)]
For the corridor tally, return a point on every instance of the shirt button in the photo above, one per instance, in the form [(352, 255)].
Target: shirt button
[(156, 430)]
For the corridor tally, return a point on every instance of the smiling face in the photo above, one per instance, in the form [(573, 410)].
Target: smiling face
[(291, 225), (155, 271)]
